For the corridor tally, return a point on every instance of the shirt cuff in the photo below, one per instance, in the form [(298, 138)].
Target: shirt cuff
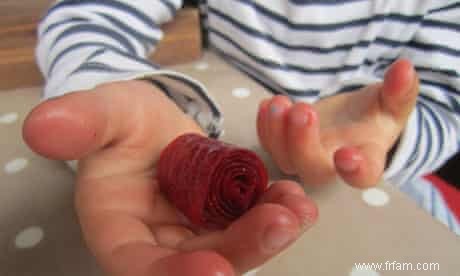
[(398, 170)]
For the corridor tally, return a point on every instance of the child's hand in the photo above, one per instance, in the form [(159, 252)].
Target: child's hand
[(349, 134), (117, 131)]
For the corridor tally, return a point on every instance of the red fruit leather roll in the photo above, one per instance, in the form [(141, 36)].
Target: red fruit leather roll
[(212, 183)]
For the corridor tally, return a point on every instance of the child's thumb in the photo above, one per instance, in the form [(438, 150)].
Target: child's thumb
[(131, 120), (66, 127)]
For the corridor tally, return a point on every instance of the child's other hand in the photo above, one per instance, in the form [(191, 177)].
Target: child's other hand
[(349, 134), (117, 131)]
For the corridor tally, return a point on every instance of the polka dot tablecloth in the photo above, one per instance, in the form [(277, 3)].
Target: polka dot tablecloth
[(39, 233)]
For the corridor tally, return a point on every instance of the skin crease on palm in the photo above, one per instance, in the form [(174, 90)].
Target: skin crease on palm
[(117, 133)]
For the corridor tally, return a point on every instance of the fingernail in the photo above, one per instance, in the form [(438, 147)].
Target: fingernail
[(299, 118), (350, 164), (277, 237), (275, 109)]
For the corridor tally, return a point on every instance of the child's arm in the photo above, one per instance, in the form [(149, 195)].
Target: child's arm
[(384, 129), (117, 130), (86, 43)]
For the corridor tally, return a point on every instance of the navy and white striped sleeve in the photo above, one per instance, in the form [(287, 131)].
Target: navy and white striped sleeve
[(432, 134), (83, 43)]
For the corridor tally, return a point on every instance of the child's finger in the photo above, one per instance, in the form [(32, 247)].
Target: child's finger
[(262, 122), (305, 150), (399, 92), (254, 238), (195, 263), (276, 137), (292, 195), (361, 166)]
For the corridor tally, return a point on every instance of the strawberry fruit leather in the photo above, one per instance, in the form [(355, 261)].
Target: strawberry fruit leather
[(212, 183)]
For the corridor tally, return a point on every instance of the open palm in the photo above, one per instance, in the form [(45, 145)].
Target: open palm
[(117, 131)]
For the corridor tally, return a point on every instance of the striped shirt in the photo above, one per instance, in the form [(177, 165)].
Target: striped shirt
[(307, 49)]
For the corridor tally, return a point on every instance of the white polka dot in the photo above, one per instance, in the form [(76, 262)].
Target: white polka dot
[(201, 66), (375, 197), (252, 272), (8, 118), (15, 165), (363, 272), (241, 92), (29, 237)]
